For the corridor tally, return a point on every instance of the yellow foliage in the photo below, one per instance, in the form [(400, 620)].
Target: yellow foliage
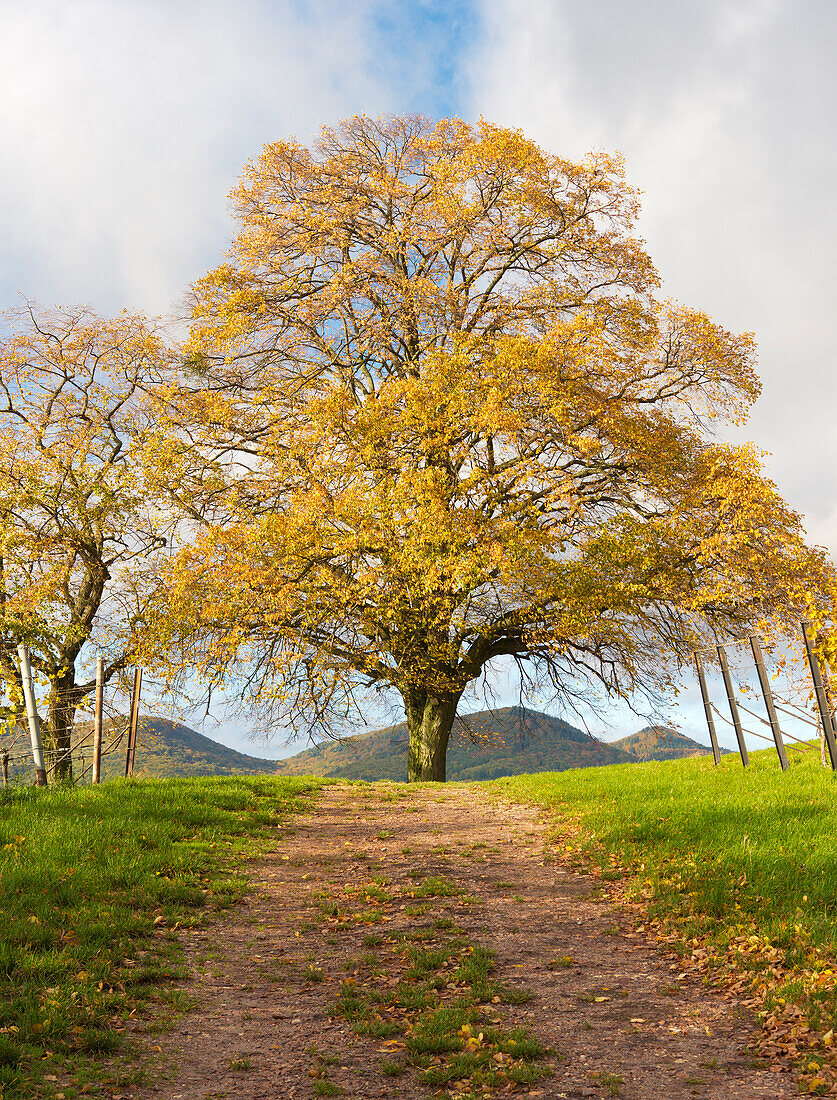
[(433, 412), (75, 511)]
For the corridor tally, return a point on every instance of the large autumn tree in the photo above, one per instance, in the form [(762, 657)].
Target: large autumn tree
[(434, 414), (75, 513)]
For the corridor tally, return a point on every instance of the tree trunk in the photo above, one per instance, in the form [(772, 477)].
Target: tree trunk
[(62, 709), (429, 722)]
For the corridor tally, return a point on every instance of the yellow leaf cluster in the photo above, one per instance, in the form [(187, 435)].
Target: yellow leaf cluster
[(433, 413)]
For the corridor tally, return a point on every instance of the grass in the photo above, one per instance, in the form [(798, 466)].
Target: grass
[(736, 868), (437, 887), (323, 1060), (325, 1087), (433, 994), (94, 883), (612, 1081), (564, 962), (391, 1068)]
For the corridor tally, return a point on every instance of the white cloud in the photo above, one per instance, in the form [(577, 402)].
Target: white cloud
[(723, 111), (123, 125)]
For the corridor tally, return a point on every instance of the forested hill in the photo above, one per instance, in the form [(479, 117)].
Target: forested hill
[(661, 743), (486, 745), (163, 748), (511, 741)]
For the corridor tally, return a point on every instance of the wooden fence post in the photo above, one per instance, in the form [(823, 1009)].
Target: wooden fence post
[(707, 706), (32, 715), (767, 695), (733, 706), (820, 692), (133, 722), (95, 776)]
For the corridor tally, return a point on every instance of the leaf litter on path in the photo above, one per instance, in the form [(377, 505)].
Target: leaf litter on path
[(364, 873)]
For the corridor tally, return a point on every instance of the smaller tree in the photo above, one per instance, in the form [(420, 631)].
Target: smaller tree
[(74, 509)]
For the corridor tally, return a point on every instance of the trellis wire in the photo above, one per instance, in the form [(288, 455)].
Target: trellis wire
[(799, 717), (59, 756), (773, 702), (746, 729), (25, 758)]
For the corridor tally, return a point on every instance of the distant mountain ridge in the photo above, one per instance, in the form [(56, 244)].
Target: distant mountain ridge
[(661, 743), (510, 741), (485, 745)]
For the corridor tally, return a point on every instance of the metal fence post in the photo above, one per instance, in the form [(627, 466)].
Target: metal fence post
[(707, 706), (767, 695), (95, 776), (733, 706), (819, 691), (133, 722), (32, 715)]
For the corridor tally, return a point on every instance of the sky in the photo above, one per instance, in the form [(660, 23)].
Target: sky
[(124, 124)]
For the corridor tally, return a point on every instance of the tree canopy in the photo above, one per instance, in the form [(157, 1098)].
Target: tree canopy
[(434, 412), (75, 510)]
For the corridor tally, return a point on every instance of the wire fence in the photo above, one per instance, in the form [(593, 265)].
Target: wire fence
[(18, 765), (776, 701), (24, 760)]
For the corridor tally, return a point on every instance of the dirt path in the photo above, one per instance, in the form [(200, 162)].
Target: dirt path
[(606, 1000)]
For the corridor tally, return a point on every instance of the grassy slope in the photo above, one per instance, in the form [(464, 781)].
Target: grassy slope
[(92, 880), (742, 861), (737, 869), (517, 740)]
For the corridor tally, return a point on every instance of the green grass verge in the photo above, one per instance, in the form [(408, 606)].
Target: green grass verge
[(742, 862), (94, 882)]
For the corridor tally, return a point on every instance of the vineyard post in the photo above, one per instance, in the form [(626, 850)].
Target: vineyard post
[(767, 695), (32, 715), (733, 706), (97, 721), (707, 706), (820, 692), (5, 769), (133, 722)]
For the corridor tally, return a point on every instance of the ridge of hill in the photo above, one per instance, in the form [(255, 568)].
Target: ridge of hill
[(164, 748), (486, 745), (661, 743), (510, 741)]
